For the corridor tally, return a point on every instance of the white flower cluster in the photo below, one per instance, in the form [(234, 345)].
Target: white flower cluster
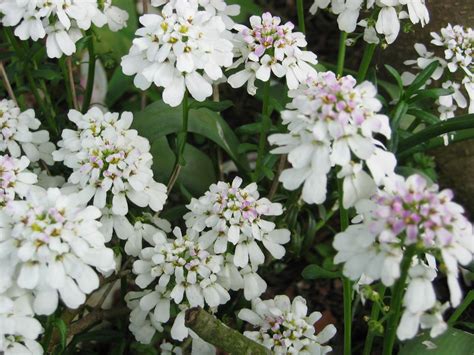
[(270, 47), (379, 18), (19, 134), (185, 274), (332, 122), (456, 69), (60, 21), (409, 215), (215, 7), (285, 328), (111, 163), (18, 329), (182, 49), (229, 216), (50, 244), (15, 179)]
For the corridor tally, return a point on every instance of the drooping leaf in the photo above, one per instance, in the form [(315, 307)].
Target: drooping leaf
[(424, 116), (422, 78), (453, 341), (159, 120), (216, 106), (313, 272), (393, 72)]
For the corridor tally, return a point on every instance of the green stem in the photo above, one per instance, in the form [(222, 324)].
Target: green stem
[(346, 283), (341, 56), (183, 135), (398, 113), (300, 10), (69, 98), (90, 73), (266, 124), (460, 310), (366, 60), (374, 315), (396, 303)]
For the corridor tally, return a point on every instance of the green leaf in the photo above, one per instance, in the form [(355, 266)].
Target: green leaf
[(452, 342), (393, 72), (429, 94), (118, 85), (59, 324), (216, 106), (422, 78), (424, 116), (313, 272), (247, 9), (196, 175), (250, 128), (159, 120), (47, 74)]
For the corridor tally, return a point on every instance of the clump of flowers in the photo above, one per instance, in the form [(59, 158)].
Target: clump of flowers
[(182, 274), (50, 245), (229, 213), (409, 219), (111, 163), (15, 180), (333, 122), (19, 134), (182, 49), (267, 47), (18, 329), (285, 328), (61, 22), (456, 69), (379, 18)]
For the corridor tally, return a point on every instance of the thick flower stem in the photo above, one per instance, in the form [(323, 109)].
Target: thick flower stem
[(346, 283), (180, 144), (90, 73), (374, 315), (266, 124), (341, 56), (396, 303), (366, 60), (213, 331), (300, 10)]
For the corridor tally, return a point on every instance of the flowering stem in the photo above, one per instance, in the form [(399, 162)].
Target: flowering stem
[(396, 303), (180, 144), (341, 56), (300, 9), (90, 73), (374, 315), (366, 60), (346, 283), (266, 124)]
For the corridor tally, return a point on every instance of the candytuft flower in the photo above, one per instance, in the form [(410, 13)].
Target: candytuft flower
[(409, 215), (19, 134), (15, 180), (333, 122), (61, 21), (182, 49), (270, 47), (51, 245), (285, 328)]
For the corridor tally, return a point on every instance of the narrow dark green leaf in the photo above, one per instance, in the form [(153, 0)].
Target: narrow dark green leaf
[(247, 147), (424, 116), (251, 128), (393, 72), (422, 78), (118, 85), (59, 324), (313, 272), (47, 74), (429, 94)]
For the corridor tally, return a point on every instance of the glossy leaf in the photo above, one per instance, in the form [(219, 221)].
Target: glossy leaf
[(422, 78)]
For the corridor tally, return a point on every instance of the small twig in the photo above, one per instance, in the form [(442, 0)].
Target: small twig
[(94, 317), (174, 176), (145, 6), (6, 82), (143, 100), (276, 178), (213, 331), (71, 83)]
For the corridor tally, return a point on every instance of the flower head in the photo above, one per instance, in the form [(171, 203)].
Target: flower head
[(285, 328), (228, 213), (182, 49), (51, 244), (60, 21), (15, 180), (19, 134), (333, 122), (110, 162), (267, 47), (408, 215)]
